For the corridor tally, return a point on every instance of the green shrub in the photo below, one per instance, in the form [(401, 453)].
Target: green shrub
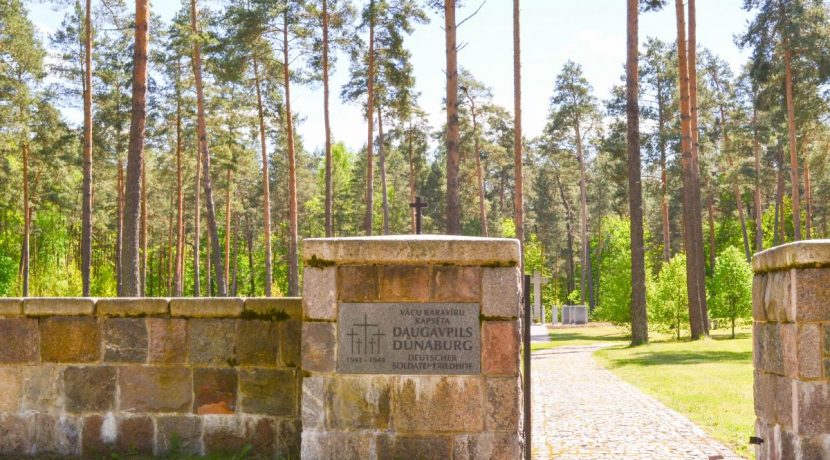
[(668, 303), (730, 290)]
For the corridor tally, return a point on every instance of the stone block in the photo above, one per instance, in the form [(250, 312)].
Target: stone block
[(178, 435), (125, 340), (438, 404), (320, 293), (214, 391), (42, 388), (500, 292), (319, 347), (11, 394), (155, 389), (453, 283), (257, 342), (70, 339), (782, 400), (773, 349), (56, 435), (206, 307), (809, 351), (500, 347), (408, 446), (270, 392), (230, 435), (487, 445), (332, 445), (291, 339), (89, 389), (358, 402), (313, 401), (57, 306), (11, 306), (759, 288), (404, 283), (95, 441), (758, 330), (403, 249), (17, 432), (762, 396), (503, 408), (789, 348), (289, 438), (132, 306), (276, 307), (812, 294), (211, 341), (136, 435), (167, 340), (18, 340), (778, 297), (812, 406), (357, 283), (814, 447)]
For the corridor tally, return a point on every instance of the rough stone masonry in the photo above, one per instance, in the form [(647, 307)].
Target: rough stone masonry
[(791, 343), (177, 377), (411, 348)]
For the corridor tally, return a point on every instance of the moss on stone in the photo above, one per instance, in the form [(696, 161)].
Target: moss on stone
[(317, 262), (272, 314)]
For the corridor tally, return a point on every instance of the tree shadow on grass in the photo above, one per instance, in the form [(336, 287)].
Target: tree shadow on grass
[(661, 358), (569, 336)]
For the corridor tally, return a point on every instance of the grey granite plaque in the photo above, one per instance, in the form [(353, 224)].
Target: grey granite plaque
[(409, 338)]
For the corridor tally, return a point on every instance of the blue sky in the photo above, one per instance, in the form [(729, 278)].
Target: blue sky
[(589, 32)]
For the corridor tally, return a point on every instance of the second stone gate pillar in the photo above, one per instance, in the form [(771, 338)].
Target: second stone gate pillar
[(411, 348)]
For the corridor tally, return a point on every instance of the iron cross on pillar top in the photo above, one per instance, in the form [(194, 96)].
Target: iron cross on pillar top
[(418, 205)]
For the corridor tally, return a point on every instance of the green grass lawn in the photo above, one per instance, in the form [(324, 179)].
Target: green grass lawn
[(709, 381)]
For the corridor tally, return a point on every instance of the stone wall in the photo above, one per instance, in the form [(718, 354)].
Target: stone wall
[(149, 376), (791, 334), (352, 415)]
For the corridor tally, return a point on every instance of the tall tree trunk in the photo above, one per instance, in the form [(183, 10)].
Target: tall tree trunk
[(27, 221), (482, 206), (808, 199), (370, 120), (570, 238), (235, 279), (120, 237), (201, 127), (453, 161), (177, 276), (736, 192), (86, 230), (135, 154), (700, 279), (780, 235), (791, 140), (586, 280), (382, 159), (412, 192), (664, 178), (639, 318), (197, 227), (266, 183), (690, 206), (209, 271), (228, 177), (710, 208), (168, 252), (293, 255), (329, 190), (518, 197), (143, 273), (759, 212)]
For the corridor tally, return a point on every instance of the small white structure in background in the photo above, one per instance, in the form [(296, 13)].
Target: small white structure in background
[(538, 308), (554, 314), (574, 314)]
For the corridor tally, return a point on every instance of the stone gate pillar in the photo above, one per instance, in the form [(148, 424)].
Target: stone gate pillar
[(791, 343), (411, 348)]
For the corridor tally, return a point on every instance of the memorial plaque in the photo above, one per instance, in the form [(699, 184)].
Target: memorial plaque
[(409, 338)]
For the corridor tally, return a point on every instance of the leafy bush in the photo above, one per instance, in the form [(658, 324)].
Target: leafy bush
[(615, 266), (730, 290), (668, 304)]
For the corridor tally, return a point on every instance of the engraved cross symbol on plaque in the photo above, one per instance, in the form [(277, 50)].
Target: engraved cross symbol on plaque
[(538, 281), (418, 205), (366, 330)]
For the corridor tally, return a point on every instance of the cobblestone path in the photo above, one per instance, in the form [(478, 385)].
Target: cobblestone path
[(582, 411)]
